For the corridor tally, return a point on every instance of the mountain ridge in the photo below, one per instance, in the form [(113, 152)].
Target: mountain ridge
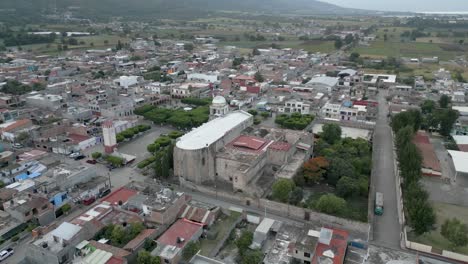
[(175, 8)]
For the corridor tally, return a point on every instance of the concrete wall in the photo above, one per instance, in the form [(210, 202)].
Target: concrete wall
[(198, 165), (282, 209), (277, 157), (170, 215), (228, 170)]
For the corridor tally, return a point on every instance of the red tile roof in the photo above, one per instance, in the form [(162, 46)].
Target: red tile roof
[(75, 138), (115, 260), (463, 147), (430, 160), (121, 194), (281, 146), (249, 143), (181, 229), (17, 124), (253, 89), (337, 246), (116, 252)]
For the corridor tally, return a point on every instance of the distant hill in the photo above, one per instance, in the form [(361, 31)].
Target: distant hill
[(174, 8)]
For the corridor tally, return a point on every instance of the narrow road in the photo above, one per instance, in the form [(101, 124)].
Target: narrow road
[(386, 226)]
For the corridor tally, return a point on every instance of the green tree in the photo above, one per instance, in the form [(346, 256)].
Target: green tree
[(144, 257), (255, 52), (191, 248), (117, 234), (259, 77), (281, 189), (347, 187), (444, 101), (337, 169), (455, 231), (22, 137), (189, 47), (253, 112), (96, 155), (244, 241), (338, 43), (252, 257), (296, 196), (331, 133), (354, 57), (428, 106), (331, 204), (448, 117)]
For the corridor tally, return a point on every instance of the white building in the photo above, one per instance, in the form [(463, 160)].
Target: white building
[(323, 83), (203, 77), (219, 107), (331, 110), (48, 101), (127, 81), (294, 106), (458, 97)]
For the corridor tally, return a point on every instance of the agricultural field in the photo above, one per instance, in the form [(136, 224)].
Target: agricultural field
[(85, 42), (395, 46), (434, 238)]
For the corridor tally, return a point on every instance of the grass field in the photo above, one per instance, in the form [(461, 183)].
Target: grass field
[(220, 228), (434, 238), (97, 40), (444, 48), (310, 46)]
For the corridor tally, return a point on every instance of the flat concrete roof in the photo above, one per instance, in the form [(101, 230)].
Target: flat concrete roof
[(212, 131), (459, 160)]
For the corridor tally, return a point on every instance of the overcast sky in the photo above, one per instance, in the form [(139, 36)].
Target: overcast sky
[(405, 5)]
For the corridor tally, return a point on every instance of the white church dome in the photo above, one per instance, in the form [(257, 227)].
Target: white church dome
[(219, 100)]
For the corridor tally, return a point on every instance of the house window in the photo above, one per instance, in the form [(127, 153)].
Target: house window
[(306, 262), (306, 254), (166, 261)]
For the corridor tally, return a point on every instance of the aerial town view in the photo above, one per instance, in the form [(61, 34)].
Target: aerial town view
[(233, 132)]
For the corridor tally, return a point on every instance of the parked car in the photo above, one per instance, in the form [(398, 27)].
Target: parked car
[(89, 200), (74, 155), (80, 157), (6, 253), (17, 145), (104, 193), (91, 161)]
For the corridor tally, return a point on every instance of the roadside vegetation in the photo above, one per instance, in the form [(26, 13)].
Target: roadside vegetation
[(335, 181)]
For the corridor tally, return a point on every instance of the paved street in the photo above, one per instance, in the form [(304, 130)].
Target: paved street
[(386, 227)]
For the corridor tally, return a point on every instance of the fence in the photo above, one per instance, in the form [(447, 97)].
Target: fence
[(284, 210), (405, 243)]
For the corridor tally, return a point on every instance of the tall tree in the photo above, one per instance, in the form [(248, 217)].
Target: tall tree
[(315, 169), (331, 133), (259, 77), (444, 101), (281, 189), (331, 204)]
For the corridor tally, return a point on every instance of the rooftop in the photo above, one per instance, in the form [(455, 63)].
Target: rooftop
[(334, 250), (459, 160), (430, 160), (212, 131), (181, 229), (121, 194)]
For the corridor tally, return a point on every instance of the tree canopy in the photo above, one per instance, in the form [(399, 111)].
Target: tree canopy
[(331, 133), (281, 189), (455, 231)]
